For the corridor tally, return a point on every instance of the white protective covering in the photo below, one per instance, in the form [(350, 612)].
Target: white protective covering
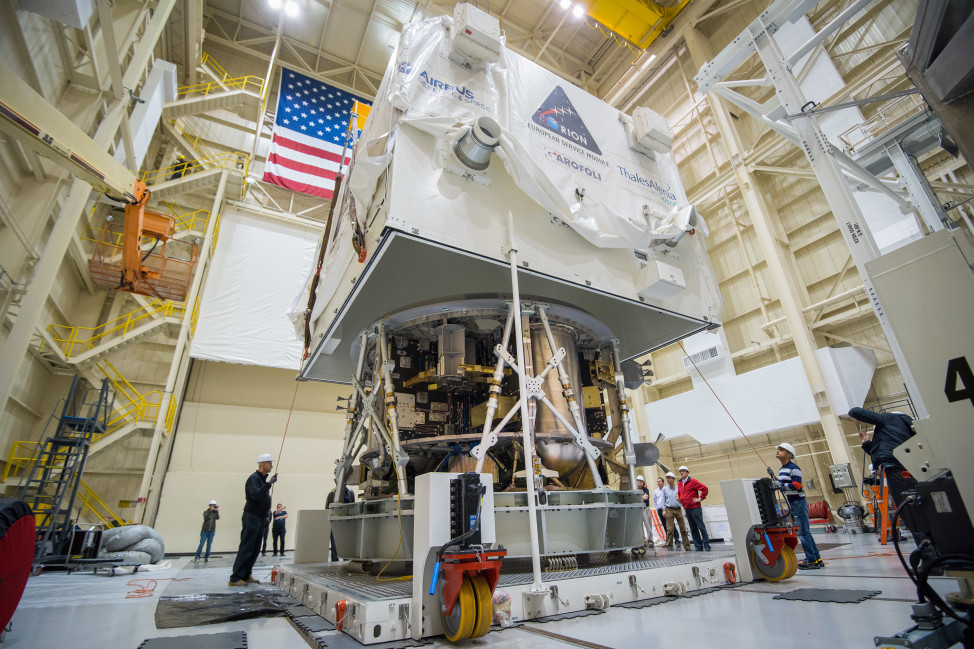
[(559, 143), (258, 266), (431, 93)]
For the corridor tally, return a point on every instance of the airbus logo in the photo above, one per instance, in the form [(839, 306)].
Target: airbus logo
[(461, 92)]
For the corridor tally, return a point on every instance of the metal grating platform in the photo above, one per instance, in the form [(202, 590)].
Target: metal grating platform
[(365, 587), (665, 559), (228, 640)]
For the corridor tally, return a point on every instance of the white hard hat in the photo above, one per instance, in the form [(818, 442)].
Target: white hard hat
[(684, 468), (670, 475), (639, 477), (212, 502), (788, 447), (266, 457)]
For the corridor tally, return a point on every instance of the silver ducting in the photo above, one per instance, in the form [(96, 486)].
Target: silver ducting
[(554, 446), (473, 149)]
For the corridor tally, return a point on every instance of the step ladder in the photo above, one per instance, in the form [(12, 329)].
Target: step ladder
[(56, 468)]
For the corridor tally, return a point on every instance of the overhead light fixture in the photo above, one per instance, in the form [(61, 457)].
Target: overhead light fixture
[(565, 4), (652, 57), (578, 11), (291, 8), (275, 4)]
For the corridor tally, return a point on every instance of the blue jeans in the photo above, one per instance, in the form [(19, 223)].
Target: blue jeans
[(207, 538), (697, 529), (799, 514)]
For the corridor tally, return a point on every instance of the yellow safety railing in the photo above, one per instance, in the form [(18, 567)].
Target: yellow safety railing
[(139, 407), (191, 136), (194, 316), (249, 82), (194, 221), (211, 63), (171, 414), (75, 340), (93, 504), (229, 160), (21, 456)]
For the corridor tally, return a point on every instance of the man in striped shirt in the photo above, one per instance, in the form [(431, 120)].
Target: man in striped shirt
[(790, 480)]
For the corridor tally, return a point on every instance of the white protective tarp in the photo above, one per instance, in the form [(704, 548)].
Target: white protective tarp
[(258, 266), (557, 139), (559, 143)]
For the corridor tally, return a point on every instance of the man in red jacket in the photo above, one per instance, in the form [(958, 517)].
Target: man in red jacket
[(692, 493)]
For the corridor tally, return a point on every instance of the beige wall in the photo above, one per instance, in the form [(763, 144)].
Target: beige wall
[(232, 414)]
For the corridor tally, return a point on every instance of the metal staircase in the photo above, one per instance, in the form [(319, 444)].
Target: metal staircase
[(58, 463)]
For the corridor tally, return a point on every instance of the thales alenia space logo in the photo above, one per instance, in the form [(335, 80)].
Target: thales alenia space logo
[(557, 114)]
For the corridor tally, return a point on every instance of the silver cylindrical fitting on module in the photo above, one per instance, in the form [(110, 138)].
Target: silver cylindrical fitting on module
[(476, 145)]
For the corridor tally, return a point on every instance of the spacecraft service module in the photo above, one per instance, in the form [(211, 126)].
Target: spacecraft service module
[(501, 245)]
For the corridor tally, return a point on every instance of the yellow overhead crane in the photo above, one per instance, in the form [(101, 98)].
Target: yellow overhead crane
[(639, 22), (37, 125)]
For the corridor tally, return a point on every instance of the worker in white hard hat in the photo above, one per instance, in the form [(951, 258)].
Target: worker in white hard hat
[(692, 493), (659, 504), (646, 510), (210, 516), (674, 514), (257, 492), (790, 481)]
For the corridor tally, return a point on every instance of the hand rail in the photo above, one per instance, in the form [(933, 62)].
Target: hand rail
[(70, 338), (249, 83), (140, 407), (228, 160), (17, 461), (194, 221), (210, 62), (89, 499), (171, 414)]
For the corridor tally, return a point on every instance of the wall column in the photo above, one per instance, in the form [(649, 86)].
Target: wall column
[(764, 219)]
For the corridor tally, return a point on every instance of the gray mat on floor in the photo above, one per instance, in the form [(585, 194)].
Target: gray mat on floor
[(314, 623), (653, 601), (702, 591), (831, 595), (228, 640), (298, 610), (342, 641), (644, 603), (566, 616)]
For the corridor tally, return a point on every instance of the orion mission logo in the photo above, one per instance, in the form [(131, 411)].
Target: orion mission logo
[(557, 115)]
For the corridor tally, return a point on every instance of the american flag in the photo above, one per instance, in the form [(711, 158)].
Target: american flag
[(309, 134)]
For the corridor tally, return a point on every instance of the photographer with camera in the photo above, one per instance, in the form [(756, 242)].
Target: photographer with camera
[(210, 516)]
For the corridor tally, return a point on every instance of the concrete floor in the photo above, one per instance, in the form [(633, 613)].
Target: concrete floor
[(83, 610)]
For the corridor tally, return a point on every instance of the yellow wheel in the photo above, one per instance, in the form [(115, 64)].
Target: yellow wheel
[(791, 565), (459, 625), (485, 607), (779, 570)]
